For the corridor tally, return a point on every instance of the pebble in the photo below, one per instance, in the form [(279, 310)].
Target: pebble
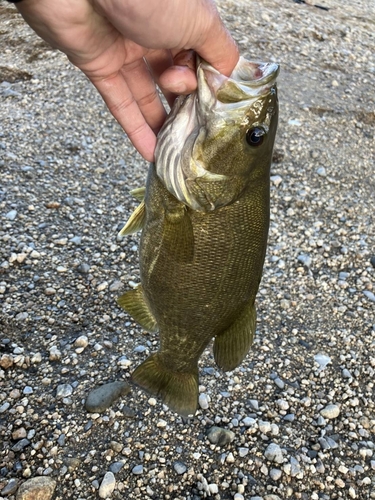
[(116, 467), (219, 436), (179, 467), (64, 390), (248, 421), (273, 453), (369, 295), (137, 470), (331, 411), (10, 488), (11, 215), (107, 485), (81, 341), (275, 474), (203, 401), (101, 398), (36, 488), (322, 360)]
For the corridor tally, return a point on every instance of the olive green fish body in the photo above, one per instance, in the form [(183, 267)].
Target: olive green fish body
[(205, 221)]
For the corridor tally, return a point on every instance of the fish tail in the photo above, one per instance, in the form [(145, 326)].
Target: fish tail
[(178, 390)]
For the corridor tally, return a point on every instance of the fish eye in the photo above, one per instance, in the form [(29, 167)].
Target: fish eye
[(255, 136)]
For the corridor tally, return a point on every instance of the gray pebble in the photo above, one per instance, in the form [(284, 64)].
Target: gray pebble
[(20, 445), (280, 384), (253, 403), (273, 453), (203, 401), (107, 485), (330, 411), (140, 348), (275, 474), (219, 436), (116, 467), (305, 260), (369, 295), (11, 215), (137, 470), (322, 172), (10, 488), (104, 396), (64, 390), (83, 268), (179, 467), (248, 421), (243, 452)]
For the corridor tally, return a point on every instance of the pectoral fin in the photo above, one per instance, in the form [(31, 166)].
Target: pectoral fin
[(232, 345), (134, 304), (136, 221), (178, 235)]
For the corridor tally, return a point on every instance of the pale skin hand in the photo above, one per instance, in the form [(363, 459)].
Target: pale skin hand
[(125, 47)]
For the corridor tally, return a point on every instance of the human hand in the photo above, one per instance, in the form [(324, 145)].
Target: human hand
[(125, 48)]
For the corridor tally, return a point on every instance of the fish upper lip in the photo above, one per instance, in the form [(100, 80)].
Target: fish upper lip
[(247, 75)]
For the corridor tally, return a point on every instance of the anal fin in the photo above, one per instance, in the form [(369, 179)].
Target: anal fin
[(134, 304), (232, 345), (178, 390)]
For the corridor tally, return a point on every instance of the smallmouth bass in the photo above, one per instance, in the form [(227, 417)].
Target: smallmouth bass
[(204, 221)]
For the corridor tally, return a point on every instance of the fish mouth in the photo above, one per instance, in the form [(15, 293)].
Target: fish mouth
[(248, 81)]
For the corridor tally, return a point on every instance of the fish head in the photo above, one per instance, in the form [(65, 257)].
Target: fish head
[(219, 139)]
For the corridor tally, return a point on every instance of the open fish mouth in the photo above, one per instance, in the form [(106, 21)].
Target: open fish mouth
[(219, 104)]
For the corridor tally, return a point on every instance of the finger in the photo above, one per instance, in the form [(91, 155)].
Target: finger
[(159, 61), (180, 77), (143, 88), (179, 80), (217, 46), (124, 108)]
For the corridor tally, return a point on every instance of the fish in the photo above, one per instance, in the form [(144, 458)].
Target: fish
[(204, 216)]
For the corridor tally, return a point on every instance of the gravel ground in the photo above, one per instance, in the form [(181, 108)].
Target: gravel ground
[(297, 419)]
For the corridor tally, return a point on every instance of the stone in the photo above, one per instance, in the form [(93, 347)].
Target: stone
[(331, 411), (179, 467), (219, 436), (273, 453), (36, 488), (10, 488), (137, 470), (107, 485), (101, 398)]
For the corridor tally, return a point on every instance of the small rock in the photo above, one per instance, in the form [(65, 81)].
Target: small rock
[(322, 360), (248, 421), (107, 486), (219, 436), (11, 215), (330, 411), (50, 291), (116, 285), (179, 467), (274, 454), (305, 260), (243, 452), (203, 401), (6, 361), (81, 341), (137, 470), (369, 295), (64, 391), (322, 172), (20, 445), (116, 467), (36, 488), (19, 433), (83, 268), (10, 488), (104, 396), (275, 474)]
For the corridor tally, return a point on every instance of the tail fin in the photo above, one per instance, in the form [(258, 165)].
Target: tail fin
[(178, 390)]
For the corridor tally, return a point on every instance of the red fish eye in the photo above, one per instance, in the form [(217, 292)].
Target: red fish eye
[(255, 136)]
